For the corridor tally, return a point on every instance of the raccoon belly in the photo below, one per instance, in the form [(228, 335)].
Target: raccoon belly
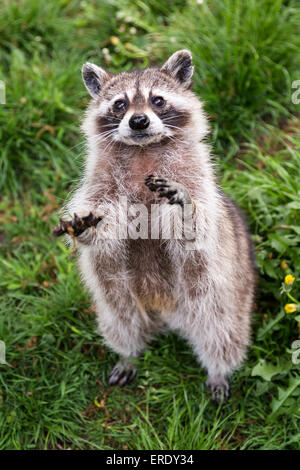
[(152, 281), (155, 302)]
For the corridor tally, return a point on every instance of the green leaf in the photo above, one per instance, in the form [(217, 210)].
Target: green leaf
[(293, 205), (262, 388), (278, 242), (288, 399), (269, 325), (269, 268), (296, 228), (266, 370)]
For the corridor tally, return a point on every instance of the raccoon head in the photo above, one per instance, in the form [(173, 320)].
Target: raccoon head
[(140, 107)]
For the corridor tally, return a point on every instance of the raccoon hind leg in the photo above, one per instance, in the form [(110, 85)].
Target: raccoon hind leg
[(219, 387), (123, 373), (220, 341)]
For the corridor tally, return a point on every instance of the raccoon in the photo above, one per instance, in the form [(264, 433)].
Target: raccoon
[(145, 132)]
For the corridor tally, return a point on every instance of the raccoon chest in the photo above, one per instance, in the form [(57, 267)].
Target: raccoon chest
[(152, 275)]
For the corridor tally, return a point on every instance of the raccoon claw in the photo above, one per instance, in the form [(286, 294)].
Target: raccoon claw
[(174, 192), (76, 226), (219, 390), (122, 374), (156, 184)]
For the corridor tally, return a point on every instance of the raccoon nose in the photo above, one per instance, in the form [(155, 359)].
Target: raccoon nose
[(139, 121)]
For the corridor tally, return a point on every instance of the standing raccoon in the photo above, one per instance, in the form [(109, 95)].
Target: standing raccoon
[(145, 131)]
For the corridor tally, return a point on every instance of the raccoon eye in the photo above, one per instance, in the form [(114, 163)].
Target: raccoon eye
[(158, 101), (119, 106)]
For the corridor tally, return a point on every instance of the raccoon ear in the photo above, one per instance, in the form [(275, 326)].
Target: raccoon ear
[(94, 78), (179, 66)]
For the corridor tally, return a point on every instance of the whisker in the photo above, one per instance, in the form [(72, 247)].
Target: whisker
[(103, 135), (110, 125), (173, 127)]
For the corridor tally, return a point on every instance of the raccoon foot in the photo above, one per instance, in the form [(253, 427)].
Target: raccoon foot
[(76, 226), (176, 193), (123, 373), (219, 388)]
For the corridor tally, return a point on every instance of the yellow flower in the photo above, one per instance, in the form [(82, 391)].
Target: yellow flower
[(284, 265), (114, 40), (99, 405), (290, 308), (289, 279)]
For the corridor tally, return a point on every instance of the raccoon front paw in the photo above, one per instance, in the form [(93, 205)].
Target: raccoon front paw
[(174, 192), (122, 374), (219, 389), (76, 226)]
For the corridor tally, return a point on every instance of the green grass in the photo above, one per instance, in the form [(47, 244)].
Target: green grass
[(53, 391)]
